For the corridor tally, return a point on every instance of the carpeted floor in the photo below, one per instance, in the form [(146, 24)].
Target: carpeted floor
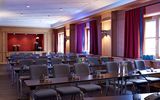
[(7, 91)]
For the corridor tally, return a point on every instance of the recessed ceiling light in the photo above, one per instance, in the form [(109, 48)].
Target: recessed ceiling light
[(28, 6), (21, 14), (61, 9)]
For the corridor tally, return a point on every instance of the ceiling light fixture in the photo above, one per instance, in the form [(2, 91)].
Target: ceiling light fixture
[(28, 6), (61, 9), (21, 14)]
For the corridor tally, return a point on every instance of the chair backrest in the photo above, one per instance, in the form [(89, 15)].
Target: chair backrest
[(82, 69), (93, 60), (41, 61), (37, 71), (26, 62), (130, 66), (61, 70), (112, 67), (56, 61), (139, 64), (104, 60)]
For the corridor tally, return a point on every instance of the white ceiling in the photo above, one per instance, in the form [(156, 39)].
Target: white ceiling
[(51, 13)]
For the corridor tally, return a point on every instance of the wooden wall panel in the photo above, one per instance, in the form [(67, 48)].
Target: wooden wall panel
[(118, 26)]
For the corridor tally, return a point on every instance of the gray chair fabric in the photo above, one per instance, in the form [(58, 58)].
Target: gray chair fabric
[(139, 64), (36, 72), (45, 94), (83, 69), (63, 70), (25, 63), (89, 87), (41, 61), (130, 66), (112, 67), (56, 61), (68, 90)]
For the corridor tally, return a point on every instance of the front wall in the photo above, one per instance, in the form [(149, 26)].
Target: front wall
[(3, 38)]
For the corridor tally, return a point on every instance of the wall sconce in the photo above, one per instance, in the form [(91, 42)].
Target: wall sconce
[(105, 32), (67, 37)]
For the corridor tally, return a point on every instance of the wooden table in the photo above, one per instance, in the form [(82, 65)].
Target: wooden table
[(65, 80), (54, 81)]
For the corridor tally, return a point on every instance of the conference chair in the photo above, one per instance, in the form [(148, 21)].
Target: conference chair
[(37, 72), (83, 70), (95, 65), (63, 70), (140, 65), (118, 83), (56, 61), (41, 61)]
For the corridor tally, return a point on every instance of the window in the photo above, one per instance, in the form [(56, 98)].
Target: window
[(87, 40), (61, 42), (152, 36)]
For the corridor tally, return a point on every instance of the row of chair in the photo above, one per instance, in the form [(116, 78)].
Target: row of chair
[(138, 65), (62, 70)]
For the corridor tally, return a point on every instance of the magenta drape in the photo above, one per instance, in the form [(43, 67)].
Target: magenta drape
[(95, 36), (80, 36), (132, 33)]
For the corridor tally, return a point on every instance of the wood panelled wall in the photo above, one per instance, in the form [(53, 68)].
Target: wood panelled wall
[(118, 26), (3, 38)]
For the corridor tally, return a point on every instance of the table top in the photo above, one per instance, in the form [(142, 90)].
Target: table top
[(63, 80)]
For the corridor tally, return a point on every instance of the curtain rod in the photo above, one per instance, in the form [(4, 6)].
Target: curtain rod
[(145, 5), (151, 4)]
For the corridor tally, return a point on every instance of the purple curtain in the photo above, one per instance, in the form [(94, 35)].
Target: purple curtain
[(80, 37), (95, 36)]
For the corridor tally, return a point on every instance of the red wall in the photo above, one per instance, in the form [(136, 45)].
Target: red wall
[(26, 41)]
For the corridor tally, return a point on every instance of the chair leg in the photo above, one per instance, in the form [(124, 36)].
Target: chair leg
[(148, 87), (81, 95), (59, 97)]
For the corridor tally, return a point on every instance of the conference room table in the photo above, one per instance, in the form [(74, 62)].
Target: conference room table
[(32, 84)]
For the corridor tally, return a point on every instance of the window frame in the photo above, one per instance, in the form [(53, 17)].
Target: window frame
[(157, 38), (61, 50)]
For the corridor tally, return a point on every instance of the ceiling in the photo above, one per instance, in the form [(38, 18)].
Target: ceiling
[(51, 13)]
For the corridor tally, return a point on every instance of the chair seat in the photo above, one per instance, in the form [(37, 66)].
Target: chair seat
[(89, 87), (68, 90), (44, 93)]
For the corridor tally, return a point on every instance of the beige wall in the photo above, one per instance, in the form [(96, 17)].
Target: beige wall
[(106, 40), (3, 38), (118, 26)]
